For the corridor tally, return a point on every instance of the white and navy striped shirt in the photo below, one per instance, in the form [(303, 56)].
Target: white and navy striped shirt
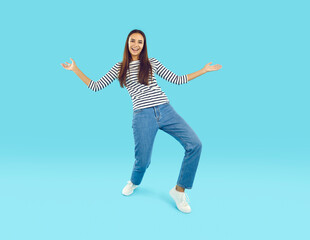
[(142, 96)]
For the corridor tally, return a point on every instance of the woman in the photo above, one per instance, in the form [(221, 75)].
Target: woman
[(152, 111)]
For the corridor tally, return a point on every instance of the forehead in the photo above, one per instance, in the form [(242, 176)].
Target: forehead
[(136, 36)]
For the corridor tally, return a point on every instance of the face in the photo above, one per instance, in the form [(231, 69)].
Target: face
[(135, 44)]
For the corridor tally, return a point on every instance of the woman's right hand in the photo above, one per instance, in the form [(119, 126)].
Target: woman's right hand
[(69, 66)]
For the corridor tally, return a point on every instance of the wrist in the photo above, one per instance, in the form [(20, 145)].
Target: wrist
[(75, 69), (204, 71)]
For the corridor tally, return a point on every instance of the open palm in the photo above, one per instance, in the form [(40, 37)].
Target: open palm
[(69, 66), (208, 68)]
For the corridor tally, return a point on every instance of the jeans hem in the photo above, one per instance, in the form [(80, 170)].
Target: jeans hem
[(181, 185)]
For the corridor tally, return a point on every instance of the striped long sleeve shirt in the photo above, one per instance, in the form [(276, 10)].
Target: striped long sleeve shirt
[(142, 96)]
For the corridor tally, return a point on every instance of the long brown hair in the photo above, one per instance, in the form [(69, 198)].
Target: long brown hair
[(145, 69)]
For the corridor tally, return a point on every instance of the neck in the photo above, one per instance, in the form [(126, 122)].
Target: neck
[(135, 58)]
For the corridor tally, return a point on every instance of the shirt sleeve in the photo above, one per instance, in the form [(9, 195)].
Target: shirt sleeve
[(168, 75), (107, 79)]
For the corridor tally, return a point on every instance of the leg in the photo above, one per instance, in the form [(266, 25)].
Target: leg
[(173, 124), (144, 129), (180, 189)]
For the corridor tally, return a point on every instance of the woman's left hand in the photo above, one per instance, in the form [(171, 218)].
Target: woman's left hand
[(208, 68)]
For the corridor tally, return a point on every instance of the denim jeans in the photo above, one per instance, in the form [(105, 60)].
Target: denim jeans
[(145, 124)]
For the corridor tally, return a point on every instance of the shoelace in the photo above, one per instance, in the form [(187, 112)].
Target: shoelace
[(184, 198)]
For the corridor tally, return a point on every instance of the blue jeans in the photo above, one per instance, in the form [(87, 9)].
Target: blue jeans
[(145, 124)]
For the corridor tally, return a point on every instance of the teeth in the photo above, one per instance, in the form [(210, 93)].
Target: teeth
[(135, 49)]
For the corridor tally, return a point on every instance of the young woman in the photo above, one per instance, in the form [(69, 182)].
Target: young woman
[(152, 111)]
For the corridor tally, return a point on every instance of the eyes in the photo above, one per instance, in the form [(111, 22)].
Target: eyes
[(134, 40)]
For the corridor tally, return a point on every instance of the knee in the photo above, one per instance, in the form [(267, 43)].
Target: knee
[(198, 145), (195, 145)]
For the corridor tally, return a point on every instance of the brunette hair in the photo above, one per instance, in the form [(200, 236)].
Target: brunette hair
[(145, 68)]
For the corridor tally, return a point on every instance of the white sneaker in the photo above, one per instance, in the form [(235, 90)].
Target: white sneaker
[(180, 200), (128, 189)]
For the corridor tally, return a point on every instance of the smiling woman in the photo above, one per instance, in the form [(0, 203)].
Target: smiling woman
[(152, 111)]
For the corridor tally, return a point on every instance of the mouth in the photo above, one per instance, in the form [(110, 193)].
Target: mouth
[(135, 49)]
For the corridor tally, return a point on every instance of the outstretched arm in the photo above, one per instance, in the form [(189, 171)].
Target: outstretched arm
[(104, 81), (82, 76), (205, 69), (73, 67), (168, 75)]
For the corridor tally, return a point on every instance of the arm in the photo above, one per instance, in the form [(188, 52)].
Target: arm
[(193, 75), (82, 76), (95, 86), (104, 81), (205, 69), (73, 67), (168, 75)]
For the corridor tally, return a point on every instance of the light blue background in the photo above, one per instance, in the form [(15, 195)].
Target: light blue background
[(66, 152)]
